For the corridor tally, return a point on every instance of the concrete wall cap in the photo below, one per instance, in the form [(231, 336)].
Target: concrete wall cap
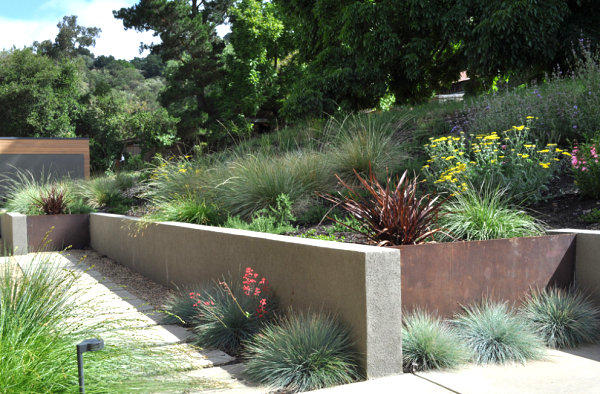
[(575, 231), (273, 237)]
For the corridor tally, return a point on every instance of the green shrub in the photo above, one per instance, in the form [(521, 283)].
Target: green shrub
[(507, 160), (312, 234), (427, 343), (365, 143), (274, 220), (486, 214), (562, 318), (586, 167), (494, 334), (253, 183), (592, 217), (390, 214), (302, 352), (343, 223), (228, 315)]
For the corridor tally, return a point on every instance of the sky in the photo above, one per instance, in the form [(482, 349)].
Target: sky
[(24, 21)]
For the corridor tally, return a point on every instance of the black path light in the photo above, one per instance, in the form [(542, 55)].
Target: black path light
[(89, 345)]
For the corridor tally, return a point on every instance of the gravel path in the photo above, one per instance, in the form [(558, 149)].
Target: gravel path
[(137, 284)]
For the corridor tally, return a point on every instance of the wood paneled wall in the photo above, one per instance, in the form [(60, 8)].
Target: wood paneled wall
[(56, 146)]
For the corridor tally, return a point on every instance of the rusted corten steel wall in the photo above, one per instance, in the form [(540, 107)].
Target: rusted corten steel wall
[(57, 232), (442, 277), (63, 156)]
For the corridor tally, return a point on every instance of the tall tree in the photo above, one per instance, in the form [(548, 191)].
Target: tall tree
[(71, 41), (356, 50), (189, 41), (38, 96), (258, 62)]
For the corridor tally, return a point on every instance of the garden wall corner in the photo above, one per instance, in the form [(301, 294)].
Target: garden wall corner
[(14, 233), (360, 283), (587, 261)]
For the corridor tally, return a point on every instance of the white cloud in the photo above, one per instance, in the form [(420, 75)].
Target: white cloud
[(113, 40)]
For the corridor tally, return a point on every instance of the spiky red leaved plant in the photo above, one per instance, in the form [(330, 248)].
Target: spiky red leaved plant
[(54, 201), (391, 214)]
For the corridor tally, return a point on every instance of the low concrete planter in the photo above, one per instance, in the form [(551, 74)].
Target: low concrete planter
[(442, 277), (23, 234)]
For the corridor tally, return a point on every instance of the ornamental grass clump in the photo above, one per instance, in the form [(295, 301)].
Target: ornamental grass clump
[(179, 307), (391, 214), (564, 319), (508, 160), (228, 315), (428, 343), (364, 143), (494, 334), (486, 214), (301, 352), (29, 195), (188, 209), (254, 182), (43, 317)]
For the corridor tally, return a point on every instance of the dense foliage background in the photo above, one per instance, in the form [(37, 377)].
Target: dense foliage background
[(282, 61)]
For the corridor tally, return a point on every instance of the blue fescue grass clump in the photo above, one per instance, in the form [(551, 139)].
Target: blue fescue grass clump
[(428, 343), (564, 319), (302, 352), (179, 307), (229, 313), (495, 334)]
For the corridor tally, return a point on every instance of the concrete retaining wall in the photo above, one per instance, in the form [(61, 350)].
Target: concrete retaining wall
[(360, 283), (587, 261), (14, 233)]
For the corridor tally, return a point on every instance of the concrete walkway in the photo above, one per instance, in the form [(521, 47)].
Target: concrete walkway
[(139, 324), (571, 371)]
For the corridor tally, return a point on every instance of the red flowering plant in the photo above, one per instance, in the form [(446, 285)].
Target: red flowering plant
[(228, 315), (585, 163)]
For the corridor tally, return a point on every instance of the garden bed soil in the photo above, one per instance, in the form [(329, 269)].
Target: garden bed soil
[(566, 211)]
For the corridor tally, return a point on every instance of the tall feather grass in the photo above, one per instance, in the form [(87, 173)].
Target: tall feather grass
[(254, 182), (42, 318), (365, 143), (24, 193)]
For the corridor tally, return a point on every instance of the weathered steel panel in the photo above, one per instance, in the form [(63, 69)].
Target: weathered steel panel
[(442, 277), (69, 230)]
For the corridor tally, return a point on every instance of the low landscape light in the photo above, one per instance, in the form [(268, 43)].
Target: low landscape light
[(89, 345)]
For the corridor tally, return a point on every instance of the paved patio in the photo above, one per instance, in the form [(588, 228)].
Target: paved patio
[(570, 371)]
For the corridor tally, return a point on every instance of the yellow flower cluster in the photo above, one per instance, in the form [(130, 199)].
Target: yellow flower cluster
[(452, 160)]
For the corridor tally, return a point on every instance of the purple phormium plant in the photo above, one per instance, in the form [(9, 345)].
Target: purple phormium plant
[(390, 215)]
